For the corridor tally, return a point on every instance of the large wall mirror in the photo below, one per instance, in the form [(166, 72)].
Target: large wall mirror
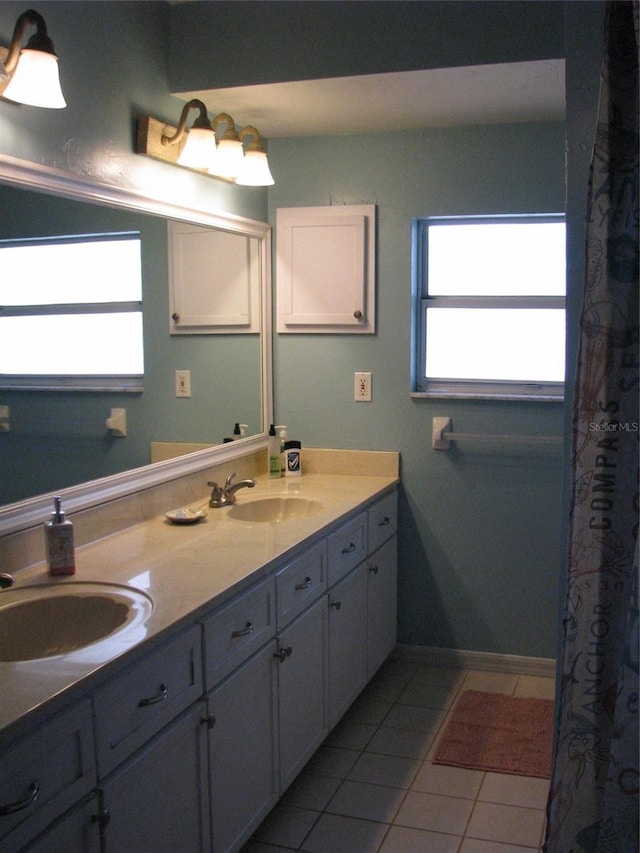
[(58, 440)]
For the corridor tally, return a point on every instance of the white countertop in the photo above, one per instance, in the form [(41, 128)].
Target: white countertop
[(185, 569)]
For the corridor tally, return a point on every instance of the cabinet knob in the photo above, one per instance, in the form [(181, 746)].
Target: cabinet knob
[(306, 583), (283, 654), (350, 548), (357, 315), (175, 317), (374, 570), (337, 604), (209, 721), (384, 522)]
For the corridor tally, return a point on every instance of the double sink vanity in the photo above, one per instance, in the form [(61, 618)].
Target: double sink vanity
[(165, 696)]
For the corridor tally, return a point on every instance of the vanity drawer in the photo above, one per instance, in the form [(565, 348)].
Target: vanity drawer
[(237, 630), (301, 582), (141, 700), (383, 520), (44, 773), (347, 547)]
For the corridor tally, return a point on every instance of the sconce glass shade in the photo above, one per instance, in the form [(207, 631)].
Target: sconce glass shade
[(36, 80), (228, 159), (199, 149), (255, 170)]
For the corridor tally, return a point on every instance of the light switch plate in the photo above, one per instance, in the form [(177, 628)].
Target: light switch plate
[(183, 383)]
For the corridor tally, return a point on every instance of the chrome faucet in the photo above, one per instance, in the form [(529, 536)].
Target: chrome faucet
[(226, 495), (6, 580)]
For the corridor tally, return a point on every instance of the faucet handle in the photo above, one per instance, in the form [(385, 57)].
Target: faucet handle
[(229, 480), (6, 580)]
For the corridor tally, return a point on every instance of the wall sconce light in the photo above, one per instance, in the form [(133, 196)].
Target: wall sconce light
[(30, 75), (225, 156)]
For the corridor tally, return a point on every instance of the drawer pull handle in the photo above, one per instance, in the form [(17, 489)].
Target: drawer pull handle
[(160, 696), (384, 522), (374, 570), (32, 796), (337, 604), (350, 549), (306, 583), (243, 632), (283, 654)]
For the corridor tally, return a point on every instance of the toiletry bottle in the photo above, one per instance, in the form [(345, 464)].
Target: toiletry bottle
[(239, 431), (274, 454), (283, 438), (58, 534), (293, 458)]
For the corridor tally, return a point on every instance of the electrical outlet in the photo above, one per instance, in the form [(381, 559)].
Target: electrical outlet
[(362, 387), (183, 383)]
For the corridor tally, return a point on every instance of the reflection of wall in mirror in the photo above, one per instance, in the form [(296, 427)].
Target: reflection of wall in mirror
[(58, 439)]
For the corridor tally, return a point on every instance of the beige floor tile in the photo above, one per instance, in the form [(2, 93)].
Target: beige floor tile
[(286, 826), (338, 834), (508, 824), (492, 682), (415, 717), (402, 742), (476, 845), (350, 734), (515, 790), (404, 839), (368, 710), (428, 695), (258, 847), (390, 770), (434, 812), (440, 675), (332, 761), (536, 686), (369, 802), (310, 791), (448, 781)]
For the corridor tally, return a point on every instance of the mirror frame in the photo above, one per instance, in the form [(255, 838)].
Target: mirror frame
[(23, 174)]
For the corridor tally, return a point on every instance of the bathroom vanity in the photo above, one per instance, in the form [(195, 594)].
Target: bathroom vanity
[(268, 619)]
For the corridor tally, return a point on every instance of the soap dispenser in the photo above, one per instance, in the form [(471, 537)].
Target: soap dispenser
[(58, 534), (274, 454)]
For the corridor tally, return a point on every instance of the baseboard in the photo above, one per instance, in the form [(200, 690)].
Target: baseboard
[(461, 659)]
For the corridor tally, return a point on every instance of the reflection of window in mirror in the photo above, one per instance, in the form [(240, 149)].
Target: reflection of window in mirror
[(79, 296)]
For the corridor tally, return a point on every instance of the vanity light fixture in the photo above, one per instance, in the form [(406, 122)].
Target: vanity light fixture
[(30, 75), (232, 155)]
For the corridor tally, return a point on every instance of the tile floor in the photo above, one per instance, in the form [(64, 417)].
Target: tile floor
[(371, 786)]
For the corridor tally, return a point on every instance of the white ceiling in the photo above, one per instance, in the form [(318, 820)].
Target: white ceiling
[(484, 94)]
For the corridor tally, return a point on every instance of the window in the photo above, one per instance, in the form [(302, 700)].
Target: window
[(71, 312), (490, 307)]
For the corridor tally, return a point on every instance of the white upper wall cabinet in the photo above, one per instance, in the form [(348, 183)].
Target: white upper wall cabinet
[(325, 269), (214, 281)]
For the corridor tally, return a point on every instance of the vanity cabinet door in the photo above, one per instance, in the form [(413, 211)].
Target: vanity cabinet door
[(301, 582), (78, 831), (382, 599), (301, 658), (347, 642), (138, 702), (157, 801), (383, 520), (243, 753), (45, 772)]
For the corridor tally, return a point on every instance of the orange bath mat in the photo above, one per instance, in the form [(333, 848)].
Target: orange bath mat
[(504, 734)]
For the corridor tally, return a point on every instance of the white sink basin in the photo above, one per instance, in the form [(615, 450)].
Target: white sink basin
[(45, 621), (275, 509)]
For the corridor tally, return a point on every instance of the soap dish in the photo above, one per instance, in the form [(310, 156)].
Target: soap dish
[(185, 516)]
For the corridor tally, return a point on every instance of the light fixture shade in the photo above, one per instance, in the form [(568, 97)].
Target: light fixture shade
[(199, 149), (255, 170), (228, 159), (36, 80)]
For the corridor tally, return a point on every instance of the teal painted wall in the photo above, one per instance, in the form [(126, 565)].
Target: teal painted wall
[(480, 543)]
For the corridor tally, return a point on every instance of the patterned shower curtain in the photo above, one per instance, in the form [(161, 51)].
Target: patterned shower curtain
[(593, 802)]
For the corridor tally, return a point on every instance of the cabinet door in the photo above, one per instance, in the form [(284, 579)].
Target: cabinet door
[(302, 689), (157, 800), (243, 751), (382, 599), (347, 642), (77, 832)]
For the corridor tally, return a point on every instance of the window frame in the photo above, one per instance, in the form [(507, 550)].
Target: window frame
[(422, 301), (110, 382)]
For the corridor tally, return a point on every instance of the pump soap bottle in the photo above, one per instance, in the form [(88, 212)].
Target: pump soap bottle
[(274, 454), (58, 534)]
